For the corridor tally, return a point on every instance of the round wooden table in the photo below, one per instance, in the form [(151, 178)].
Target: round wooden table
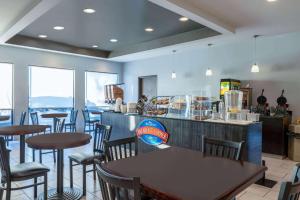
[(60, 141), (4, 117), (53, 116), (22, 131)]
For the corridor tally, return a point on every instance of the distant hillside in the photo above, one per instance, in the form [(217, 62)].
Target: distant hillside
[(48, 101)]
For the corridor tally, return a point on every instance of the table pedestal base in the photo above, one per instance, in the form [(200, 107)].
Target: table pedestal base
[(68, 194)]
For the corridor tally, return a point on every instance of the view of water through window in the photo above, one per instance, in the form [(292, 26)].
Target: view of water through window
[(51, 90)]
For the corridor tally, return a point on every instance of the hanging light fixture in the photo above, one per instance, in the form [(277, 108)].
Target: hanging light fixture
[(255, 67), (173, 75), (209, 71)]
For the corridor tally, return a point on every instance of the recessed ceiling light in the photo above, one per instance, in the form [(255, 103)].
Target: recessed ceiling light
[(58, 28), (89, 10), (42, 36), (183, 19), (149, 29), (95, 46), (113, 40), (271, 0)]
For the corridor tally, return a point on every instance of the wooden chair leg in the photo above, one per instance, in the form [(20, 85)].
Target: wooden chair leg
[(33, 155), (71, 173), (84, 179), (8, 191), (94, 171), (1, 194), (41, 156), (35, 188), (54, 156), (45, 186)]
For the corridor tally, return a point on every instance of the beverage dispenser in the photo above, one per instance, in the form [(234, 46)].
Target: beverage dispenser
[(233, 104)]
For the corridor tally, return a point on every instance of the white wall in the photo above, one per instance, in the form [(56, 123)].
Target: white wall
[(278, 57), (22, 58)]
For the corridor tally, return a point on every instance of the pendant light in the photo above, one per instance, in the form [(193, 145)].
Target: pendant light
[(255, 67), (209, 71), (173, 75)]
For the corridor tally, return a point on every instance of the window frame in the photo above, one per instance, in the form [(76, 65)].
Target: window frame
[(29, 83), (12, 91)]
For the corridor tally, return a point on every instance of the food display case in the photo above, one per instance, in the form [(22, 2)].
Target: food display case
[(180, 107), (194, 107), (158, 105)]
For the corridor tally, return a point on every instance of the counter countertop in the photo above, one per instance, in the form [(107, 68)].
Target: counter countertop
[(239, 123)]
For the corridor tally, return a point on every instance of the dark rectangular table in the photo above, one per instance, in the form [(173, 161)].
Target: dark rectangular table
[(178, 173)]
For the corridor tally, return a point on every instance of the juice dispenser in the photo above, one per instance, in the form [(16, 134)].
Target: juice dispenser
[(233, 104)]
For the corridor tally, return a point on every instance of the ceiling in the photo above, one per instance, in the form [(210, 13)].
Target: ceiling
[(211, 21), (124, 20), (12, 10)]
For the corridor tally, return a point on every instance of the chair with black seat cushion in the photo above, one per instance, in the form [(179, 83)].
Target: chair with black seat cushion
[(222, 148), (72, 124), (101, 133), (120, 149), (114, 187), (20, 172), (22, 118), (88, 122)]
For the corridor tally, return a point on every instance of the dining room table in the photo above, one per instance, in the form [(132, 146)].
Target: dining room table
[(22, 131), (176, 173), (59, 142), (53, 116)]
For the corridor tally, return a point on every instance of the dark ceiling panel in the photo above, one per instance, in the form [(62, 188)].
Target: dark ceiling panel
[(124, 20)]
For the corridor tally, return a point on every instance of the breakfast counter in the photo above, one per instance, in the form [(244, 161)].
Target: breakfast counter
[(188, 133)]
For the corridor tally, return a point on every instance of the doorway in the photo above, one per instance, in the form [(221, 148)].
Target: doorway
[(148, 86)]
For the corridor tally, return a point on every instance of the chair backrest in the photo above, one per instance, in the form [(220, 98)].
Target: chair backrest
[(86, 115), (22, 118), (114, 187), (122, 148), (222, 148), (4, 162), (34, 118), (102, 133), (73, 116), (296, 173), (289, 191), (59, 125)]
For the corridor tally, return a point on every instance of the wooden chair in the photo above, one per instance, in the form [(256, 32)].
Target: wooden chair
[(289, 191), (222, 148), (58, 128), (114, 187), (35, 120), (122, 148), (22, 118), (101, 133), (59, 125), (72, 124), (88, 122), (296, 174), (20, 172)]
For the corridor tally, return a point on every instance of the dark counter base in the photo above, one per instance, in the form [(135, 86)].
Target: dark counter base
[(188, 134)]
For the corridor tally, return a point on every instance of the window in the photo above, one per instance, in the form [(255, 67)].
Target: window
[(51, 90), (94, 88), (6, 92)]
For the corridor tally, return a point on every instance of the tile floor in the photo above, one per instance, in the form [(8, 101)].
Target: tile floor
[(278, 170)]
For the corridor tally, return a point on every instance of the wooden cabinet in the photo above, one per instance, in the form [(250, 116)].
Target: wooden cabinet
[(274, 137)]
